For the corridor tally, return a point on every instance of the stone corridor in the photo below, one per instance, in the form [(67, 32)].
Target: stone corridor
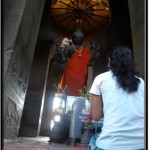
[(29, 73)]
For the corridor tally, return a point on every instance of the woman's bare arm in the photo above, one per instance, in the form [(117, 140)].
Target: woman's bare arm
[(96, 107)]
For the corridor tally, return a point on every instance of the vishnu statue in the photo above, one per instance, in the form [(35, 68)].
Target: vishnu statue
[(77, 58)]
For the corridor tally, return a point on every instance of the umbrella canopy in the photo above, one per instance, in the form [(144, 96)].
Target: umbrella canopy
[(92, 16)]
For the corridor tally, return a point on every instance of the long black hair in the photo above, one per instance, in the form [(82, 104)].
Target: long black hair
[(122, 66)]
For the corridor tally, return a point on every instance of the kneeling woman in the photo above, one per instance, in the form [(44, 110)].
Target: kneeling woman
[(118, 97)]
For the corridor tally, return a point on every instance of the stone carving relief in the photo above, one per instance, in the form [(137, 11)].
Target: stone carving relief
[(25, 83), (20, 79), (19, 69), (15, 62), (14, 65), (23, 78)]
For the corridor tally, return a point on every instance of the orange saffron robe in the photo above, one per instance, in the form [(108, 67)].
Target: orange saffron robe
[(75, 72)]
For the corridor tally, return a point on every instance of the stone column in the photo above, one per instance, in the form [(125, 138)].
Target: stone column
[(33, 106), (21, 25)]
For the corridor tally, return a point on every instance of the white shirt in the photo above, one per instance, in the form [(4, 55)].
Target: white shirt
[(123, 126)]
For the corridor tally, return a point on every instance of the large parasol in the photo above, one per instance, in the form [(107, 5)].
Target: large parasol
[(92, 16)]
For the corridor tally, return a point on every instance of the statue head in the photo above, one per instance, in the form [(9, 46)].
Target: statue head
[(78, 37)]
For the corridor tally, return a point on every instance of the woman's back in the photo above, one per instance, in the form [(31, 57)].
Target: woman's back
[(119, 95), (123, 114)]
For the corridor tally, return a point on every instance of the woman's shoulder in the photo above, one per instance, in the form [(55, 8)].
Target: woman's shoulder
[(104, 75), (107, 73)]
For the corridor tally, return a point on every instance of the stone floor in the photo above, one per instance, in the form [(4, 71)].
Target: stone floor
[(37, 143)]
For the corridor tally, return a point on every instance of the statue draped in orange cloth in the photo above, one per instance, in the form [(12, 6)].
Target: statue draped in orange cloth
[(77, 57), (75, 72)]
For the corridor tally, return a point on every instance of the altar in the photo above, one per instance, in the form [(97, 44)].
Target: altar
[(73, 114)]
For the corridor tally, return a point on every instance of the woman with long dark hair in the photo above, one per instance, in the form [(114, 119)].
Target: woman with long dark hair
[(118, 97)]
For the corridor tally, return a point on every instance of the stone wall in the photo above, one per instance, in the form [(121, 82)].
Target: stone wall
[(12, 14), (21, 24), (137, 17)]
